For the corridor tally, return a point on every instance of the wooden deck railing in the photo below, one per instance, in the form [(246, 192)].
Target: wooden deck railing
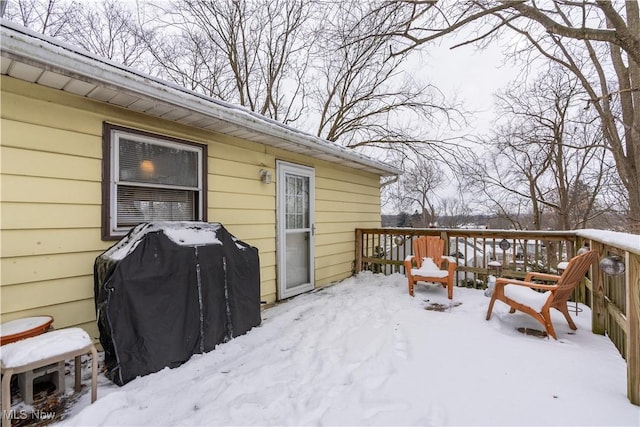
[(614, 300)]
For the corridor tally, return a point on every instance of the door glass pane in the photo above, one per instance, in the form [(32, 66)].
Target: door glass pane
[(297, 259), (297, 202)]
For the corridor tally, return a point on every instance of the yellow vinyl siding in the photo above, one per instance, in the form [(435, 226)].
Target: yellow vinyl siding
[(233, 184), (70, 313), (50, 178), (51, 165), (230, 168), (18, 270), (16, 243), (333, 272), (44, 293), (324, 217), (234, 200), (49, 109), (244, 205), (354, 187), (43, 138), (344, 200), (33, 216), (232, 217), (30, 189), (341, 247), (351, 208), (330, 238), (340, 196)]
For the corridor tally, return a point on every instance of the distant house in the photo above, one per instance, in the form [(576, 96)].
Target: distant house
[(90, 148)]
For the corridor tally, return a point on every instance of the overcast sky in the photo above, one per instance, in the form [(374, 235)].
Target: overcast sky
[(470, 74)]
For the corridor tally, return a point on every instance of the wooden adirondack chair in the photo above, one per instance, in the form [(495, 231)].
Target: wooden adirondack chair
[(430, 264), (521, 295)]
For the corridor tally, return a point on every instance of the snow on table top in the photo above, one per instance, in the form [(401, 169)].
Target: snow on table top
[(18, 326), (184, 233), (43, 346), (526, 296)]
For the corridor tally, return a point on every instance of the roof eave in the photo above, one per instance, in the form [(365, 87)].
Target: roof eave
[(34, 49)]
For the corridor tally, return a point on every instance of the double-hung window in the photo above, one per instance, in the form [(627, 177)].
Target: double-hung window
[(150, 178)]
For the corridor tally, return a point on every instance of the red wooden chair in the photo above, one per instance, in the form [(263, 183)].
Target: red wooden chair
[(522, 295), (430, 264)]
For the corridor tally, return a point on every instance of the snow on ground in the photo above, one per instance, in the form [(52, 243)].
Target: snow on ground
[(363, 352)]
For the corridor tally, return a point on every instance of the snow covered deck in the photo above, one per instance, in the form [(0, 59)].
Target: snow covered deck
[(363, 352), (613, 299)]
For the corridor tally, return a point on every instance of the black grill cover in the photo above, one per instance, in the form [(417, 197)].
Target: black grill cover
[(169, 290)]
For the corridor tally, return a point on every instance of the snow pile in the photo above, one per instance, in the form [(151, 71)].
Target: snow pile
[(429, 269), (365, 353), (180, 232), (527, 296)]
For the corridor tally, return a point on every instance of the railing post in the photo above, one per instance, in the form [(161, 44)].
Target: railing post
[(358, 266), (633, 327), (598, 306), (445, 236)]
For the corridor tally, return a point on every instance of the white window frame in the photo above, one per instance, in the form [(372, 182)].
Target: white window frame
[(115, 134)]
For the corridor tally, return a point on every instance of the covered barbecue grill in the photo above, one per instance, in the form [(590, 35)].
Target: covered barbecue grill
[(169, 290)]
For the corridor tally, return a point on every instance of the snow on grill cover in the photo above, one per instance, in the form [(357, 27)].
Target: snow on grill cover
[(169, 290)]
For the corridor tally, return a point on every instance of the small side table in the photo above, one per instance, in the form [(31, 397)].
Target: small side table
[(27, 327), (46, 350)]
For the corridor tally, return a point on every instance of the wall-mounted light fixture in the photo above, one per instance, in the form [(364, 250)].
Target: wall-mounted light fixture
[(265, 176), (612, 265)]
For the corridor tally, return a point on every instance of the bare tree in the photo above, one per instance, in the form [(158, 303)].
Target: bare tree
[(598, 41), (318, 65), (49, 17), (364, 98), (419, 184), (455, 212), (111, 30), (251, 53), (547, 158)]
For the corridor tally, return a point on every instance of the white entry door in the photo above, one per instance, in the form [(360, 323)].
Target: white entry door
[(295, 207)]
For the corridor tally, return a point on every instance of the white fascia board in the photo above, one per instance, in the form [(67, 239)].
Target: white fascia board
[(24, 45)]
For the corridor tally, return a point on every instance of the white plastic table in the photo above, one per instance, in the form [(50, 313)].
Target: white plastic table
[(42, 350)]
